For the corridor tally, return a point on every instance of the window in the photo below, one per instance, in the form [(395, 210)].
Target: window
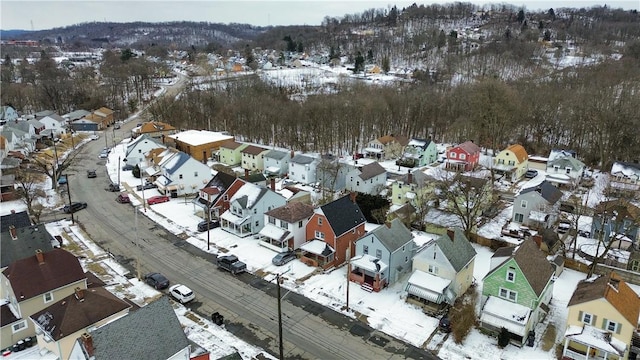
[(180, 176), (319, 221), (48, 297), (284, 224), (463, 156), (272, 220), (19, 326), (195, 174), (519, 217), (511, 274), (255, 211), (357, 183), (586, 318), (511, 162), (556, 168), (611, 325), (523, 204), (379, 253), (226, 198), (406, 259), (365, 249), (508, 294), (299, 224), (452, 155), (635, 265), (433, 269), (319, 235)]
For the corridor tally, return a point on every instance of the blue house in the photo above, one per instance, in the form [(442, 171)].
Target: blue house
[(617, 220)]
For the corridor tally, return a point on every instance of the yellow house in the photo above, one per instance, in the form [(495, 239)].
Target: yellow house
[(414, 188), (512, 162), (32, 284), (61, 324), (230, 152), (253, 158), (603, 315)]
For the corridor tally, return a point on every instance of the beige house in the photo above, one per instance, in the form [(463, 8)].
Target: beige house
[(602, 319), (33, 283), (253, 158), (386, 147), (230, 152), (59, 325), (512, 162)]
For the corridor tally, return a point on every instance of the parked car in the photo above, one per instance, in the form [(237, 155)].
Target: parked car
[(127, 167), (113, 187), (91, 174), (208, 225), (94, 137), (62, 180), (103, 155), (75, 206), (231, 264), (123, 199), (157, 199), (444, 324), (530, 174), (157, 281), (181, 293), (283, 258), (146, 186), (116, 126)]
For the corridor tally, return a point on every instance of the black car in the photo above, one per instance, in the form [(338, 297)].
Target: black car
[(208, 225), (157, 281), (113, 188), (91, 174), (127, 167), (76, 206), (283, 258), (444, 324), (146, 186)]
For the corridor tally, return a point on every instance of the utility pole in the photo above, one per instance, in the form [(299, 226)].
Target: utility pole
[(280, 314), (348, 272), (69, 195), (119, 170), (138, 250), (208, 222)]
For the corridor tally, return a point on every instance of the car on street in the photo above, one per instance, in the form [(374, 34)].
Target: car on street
[(283, 258), (127, 167), (157, 281), (181, 293), (231, 264), (530, 174), (103, 155), (94, 137), (157, 199), (123, 199), (91, 174), (146, 186), (113, 187), (62, 180), (75, 206), (208, 225), (116, 126)]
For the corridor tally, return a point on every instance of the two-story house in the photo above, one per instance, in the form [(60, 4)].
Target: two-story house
[(103, 117), (153, 330), (154, 129), (60, 324), (512, 162), (181, 175), (331, 173), (368, 179), (537, 206), (8, 113), (382, 256), (55, 123), (138, 149), (276, 162), (419, 152), (516, 291), (253, 158), (18, 238), (30, 284), (414, 188), (209, 195), (285, 226), (332, 229), (617, 220), (463, 157), (302, 169), (247, 207), (386, 147), (442, 271), (602, 319), (625, 175), (230, 152), (564, 169)]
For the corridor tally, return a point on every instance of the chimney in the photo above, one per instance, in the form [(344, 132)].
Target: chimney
[(273, 184), (292, 154), (87, 341), (451, 234), (538, 240), (79, 293), (352, 196), (409, 177), (40, 256), (13, 232), (387, 224), (246, 173)]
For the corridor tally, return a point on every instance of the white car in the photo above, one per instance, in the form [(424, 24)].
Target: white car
[(94, 137), (181, 293)]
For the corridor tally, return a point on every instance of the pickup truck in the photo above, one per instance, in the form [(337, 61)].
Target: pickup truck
[(231, 264)]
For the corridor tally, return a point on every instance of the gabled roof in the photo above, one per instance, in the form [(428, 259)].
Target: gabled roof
[(393, 235), (371, 170), (469, 147), (343, 215), (17, 219), (561, 153), (546, 190), (28, 278), (564, 162), (231, 144), (176, 162), (155, 126), (302, 159), (419, 143), (455, 246), (6, 315), (619, 209), (253, 150), (275, 154), (614, 290), (248, 195), (28, 240), (55, 117), (532, 263), (141, 139), (78, 311), (77, 114), (475, 182), (153, 330), (292, 212), (519, 151), (221, 180), (627, 169)]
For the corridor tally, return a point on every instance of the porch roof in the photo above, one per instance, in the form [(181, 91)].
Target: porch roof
[(593, 337), (234, 219), (273, 232), (272, 169), (429, 282), (502, 313), (368, 263), (428, 295), (317, 247)]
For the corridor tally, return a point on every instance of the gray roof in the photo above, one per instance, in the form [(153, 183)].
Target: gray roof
[(343, 215), (546, 190), (370, 170), (564, 162), (302, 159), (29, 239), (153, 330), (18, 219), (43, 113), (275, 154), (78, 114), (393, 236), (457, 249)]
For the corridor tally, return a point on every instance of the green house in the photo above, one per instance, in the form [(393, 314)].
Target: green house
[(517, 290)]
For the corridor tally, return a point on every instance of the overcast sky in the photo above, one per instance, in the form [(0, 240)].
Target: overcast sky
[(28, 14)]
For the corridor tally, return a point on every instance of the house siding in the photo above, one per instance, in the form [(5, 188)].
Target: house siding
[(525, 295), (231, 157)]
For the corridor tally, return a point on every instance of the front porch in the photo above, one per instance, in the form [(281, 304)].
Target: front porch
[(587, 342), (235, 224), (369, 272), (317, 253), (275, 238)]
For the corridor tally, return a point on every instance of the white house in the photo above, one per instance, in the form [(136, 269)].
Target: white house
[(303, 168), (55, 123), (276, 162), (564, 169), (247, 207), (285, 226), (140, 147), (180, 174), (8, 113), (368, 179)]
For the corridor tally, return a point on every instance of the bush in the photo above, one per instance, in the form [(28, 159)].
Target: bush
[(503, 338), (463, 316)]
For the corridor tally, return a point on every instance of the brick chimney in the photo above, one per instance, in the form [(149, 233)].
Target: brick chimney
[(538, 240), (40, 256), (387, 224), (409, 177), (451, 234), (293, 154), (352, 196), (273, 184), (87, 341), (79, 293), (246, 173), (13, 232)]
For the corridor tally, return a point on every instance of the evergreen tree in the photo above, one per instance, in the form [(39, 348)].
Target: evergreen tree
[(359, 63), (520, 17), (300, 47)]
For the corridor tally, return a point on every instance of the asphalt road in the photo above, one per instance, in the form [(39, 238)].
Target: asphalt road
[(248, 303)]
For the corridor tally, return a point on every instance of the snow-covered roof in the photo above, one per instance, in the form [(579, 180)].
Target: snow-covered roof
[(317, 247), (629, 170), (234, 219), (502, 313), (200, 137), (368, 262), (429, 282), (273, 232), (590, 335), (252, 193)]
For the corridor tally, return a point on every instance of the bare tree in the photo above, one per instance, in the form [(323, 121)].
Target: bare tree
[(51, 165)]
